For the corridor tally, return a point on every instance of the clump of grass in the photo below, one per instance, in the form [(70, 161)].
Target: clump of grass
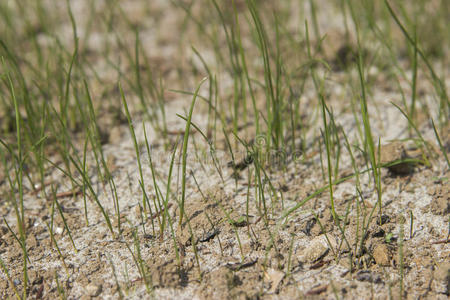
[(438, 84), (272, 82), (319, 85), (19, 159), (368, 138)]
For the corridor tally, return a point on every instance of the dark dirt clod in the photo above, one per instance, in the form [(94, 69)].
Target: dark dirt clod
[(369, 276)]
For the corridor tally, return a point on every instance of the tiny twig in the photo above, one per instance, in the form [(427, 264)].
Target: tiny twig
[(240, 266), (318, 290), (319, 264), (68, 193), (156, 214), (441, 242)]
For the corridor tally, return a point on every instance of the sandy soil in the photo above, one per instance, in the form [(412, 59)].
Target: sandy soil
[(298, 257)]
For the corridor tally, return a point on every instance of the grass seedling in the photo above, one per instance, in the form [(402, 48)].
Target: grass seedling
[(422, 140), (289, 262), (411, 224), (61, 256), (439, 85), (185, 147), (137, 67), (233, 161), (93, 134), (11, 283), (86, 179), (228, 217), (448, 234), (194, 241), (141, 216), (12, 232), (367, 137), (324, 232), (239, 98), (200, 154), (265, 67), (344, 239), (243, 64), (55, 201), (274, 134), (368, 131), (62, 115), (59, 288), (320, 91), (212, 150), (443, 150), (247, 200), (335, 291), (233, 224), (313, 9), (166, 208), (20, 159), (400, 256), (127, 278), (358, 191), (138, 156), (260, 187), (157, 195), (319, 191), (270, 243), (118, 288), (113, 190), (210, 91), (140, 263), (200, 26), (414, 77), (94, 195)]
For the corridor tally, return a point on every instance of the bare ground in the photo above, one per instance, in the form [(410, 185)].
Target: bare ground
[(301, 256)]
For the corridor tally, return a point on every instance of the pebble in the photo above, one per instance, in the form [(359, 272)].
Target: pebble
[(441, 275), (441, 200), (275, 277), (317, 248), (381, 254), (115, 135), (393, 152), (31, 241), (3, 231), (442, 271), (93, 290)]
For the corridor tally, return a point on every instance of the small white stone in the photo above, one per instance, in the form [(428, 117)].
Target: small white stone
[(316, 248), (93, 290), (275, 277)]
